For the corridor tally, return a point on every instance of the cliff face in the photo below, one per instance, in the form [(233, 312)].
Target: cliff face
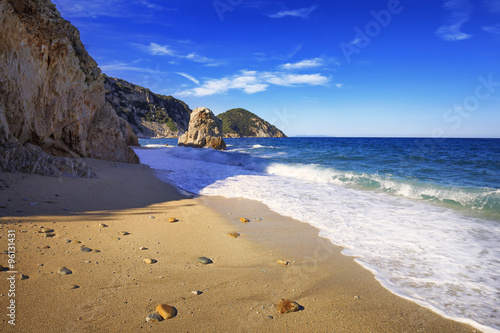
[(51, 91), (149, 114), (243, 123)]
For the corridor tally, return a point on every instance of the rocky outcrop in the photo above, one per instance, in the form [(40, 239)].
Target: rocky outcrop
[(205, 130), (243, 123), (149, 114), (51, 90)]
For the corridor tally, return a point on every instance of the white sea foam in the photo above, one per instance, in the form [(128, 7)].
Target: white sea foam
[(431, 255)]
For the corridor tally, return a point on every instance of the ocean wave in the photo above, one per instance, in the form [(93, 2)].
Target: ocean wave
[(482, 199)]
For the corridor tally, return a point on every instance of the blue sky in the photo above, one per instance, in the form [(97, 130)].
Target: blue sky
[(341, 68)]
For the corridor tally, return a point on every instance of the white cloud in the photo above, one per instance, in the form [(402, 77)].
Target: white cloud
[(165, 50), (494, 29), (309, 63), (156, 49), (460, 11), (252, 82), (302, 13), (189, 77)]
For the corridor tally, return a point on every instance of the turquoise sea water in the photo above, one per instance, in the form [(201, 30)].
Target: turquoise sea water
[(422, 214)]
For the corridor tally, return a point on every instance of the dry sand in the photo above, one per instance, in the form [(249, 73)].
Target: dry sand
[(116, 290)]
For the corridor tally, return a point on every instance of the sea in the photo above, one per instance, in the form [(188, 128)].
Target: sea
[(422, 214)]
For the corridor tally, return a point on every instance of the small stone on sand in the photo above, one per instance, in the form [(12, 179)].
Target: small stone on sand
[(64, 271), (23, 277), (49, 235), (123, 233), (234, 234), (85, 249), (143, 248), (244, 220), (172, 219), (283, 262), (204, 260), (76, 242), (153, 318), (152, 217), (287, 306), (102, 225), (150, 261), (166, 311), (196, 292)]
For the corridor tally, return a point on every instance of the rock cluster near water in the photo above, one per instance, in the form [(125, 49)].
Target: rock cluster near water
[(52, 95), (205, 131)]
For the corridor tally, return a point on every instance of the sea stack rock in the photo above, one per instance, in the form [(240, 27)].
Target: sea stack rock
[(205, 130), (51, 93)]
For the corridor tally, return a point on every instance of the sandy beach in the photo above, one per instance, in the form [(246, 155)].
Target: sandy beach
[(122, 217)]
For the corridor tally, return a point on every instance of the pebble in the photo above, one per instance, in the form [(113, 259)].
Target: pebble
[(67, 240), (85, 249), (150, 261), (153, 318), (123, 233), (287, 306), (152, 217), (204, 260), (283, 262), (143, 248), (74, 286), (102, 225), (166, 311), (49, 235), (196, 292), (172, 219), (64, 271), (45, 230), (234, 234), (76, 242), (23, 277), (244, 220)]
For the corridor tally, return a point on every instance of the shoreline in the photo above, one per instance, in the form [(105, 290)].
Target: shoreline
[(239, 291)]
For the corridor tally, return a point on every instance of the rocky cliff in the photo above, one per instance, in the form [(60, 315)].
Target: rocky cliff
[(205, 131), (51, 91), (243, 123), (149, 114)]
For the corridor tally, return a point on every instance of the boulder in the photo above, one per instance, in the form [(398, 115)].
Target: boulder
[(205, 131)]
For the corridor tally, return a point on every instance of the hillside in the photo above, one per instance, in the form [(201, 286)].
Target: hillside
[(149, 114), (243, 123)]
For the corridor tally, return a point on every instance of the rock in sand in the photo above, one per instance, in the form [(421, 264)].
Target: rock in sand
[(244, 220), (283, 262), (172, 219), (65, 271), (287, 306), (204, 260), (234, 234), (150, 261), (166, 311), (153, 318)]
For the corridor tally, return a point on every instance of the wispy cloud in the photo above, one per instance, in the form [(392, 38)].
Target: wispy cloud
[(304, 64), (165, 50), (189, 77), (302, 13), (460, 11), (252, 82), (129, 67), (494, 29)]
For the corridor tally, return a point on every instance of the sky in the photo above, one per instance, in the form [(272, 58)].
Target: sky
[(358, 68)]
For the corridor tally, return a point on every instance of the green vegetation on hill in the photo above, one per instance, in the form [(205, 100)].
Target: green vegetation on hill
[(246, 124)]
